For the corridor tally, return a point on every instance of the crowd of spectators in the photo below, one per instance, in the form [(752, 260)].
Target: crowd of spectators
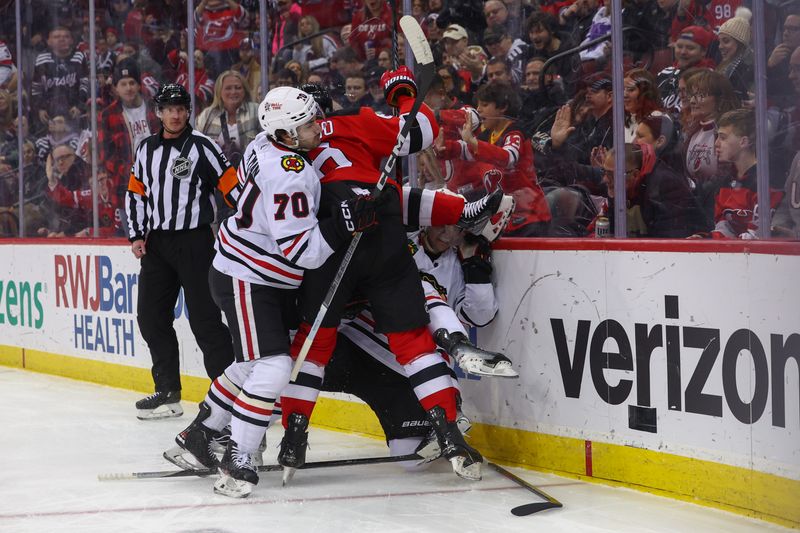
[(522, 91)]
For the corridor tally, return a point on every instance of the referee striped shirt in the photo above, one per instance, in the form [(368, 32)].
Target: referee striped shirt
[(172, 183)]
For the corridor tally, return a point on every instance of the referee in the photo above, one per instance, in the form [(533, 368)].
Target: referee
[(170, 208)]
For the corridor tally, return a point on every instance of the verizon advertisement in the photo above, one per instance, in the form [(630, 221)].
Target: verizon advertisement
[(692, 354)]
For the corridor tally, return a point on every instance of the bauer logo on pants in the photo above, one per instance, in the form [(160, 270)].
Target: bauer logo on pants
[(181, 168)]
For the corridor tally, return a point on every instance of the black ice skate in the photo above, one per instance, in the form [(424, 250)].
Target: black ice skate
[(194, 444), (292, 454), (160, 405), (472, 359), (476, 214), (465, 459), (238, 474)]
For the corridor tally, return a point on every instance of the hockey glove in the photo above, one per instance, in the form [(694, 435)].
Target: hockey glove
[(397, 83), (350, 216), (476, 259)]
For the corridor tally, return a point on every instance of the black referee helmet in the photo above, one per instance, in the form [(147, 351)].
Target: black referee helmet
[(173, 94)]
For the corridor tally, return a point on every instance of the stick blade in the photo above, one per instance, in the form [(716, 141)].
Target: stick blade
[(416, 40), (531, 508)]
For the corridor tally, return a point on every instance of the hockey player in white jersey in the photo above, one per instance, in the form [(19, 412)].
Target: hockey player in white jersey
[(262, 253)]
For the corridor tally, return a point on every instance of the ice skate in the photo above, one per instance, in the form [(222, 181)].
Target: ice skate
[(220, 442), (238, 474), (465, 459), (429, 448), (194, 444), (292, 454), (160, 405), (472, 359), (476, 214)]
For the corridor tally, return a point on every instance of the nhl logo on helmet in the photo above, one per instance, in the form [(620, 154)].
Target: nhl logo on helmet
[(292, 163), (181, 168)]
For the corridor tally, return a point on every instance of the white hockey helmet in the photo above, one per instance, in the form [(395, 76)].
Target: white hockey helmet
[(286, 108)]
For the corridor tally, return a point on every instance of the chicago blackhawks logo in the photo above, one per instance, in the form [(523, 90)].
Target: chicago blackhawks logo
[(181, 168), (292, 163)]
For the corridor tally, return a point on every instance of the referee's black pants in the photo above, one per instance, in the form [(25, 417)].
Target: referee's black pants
[(176, 259)]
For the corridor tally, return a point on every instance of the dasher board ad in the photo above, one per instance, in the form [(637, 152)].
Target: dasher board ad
[(695, 354), (81, 301)]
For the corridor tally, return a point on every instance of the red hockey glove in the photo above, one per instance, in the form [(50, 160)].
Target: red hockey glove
[(397, 83)]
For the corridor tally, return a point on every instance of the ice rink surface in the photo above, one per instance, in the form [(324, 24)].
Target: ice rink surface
[(59, 434)]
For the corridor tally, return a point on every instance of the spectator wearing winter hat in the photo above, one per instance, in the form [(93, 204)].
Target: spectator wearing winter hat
[(123, 124), (736, 56), (690, 51)]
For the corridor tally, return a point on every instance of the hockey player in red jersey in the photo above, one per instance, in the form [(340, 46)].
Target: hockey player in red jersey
[(382, 270)]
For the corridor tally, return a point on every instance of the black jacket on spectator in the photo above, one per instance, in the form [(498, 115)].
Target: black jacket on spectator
[(666, 205)]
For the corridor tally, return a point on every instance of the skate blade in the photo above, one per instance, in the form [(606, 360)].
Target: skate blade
[(500, 370), (471, 472), (183, 459), (168, 410), (288, 474), (232, 488)]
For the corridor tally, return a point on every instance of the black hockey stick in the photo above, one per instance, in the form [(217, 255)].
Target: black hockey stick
[(425, 73), (528, 508), (203, 472)]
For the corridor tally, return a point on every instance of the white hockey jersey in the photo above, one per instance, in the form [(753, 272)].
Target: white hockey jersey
[(450, 302), (274, 235)]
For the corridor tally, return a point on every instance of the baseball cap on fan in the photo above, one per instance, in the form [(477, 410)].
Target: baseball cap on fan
[(455, 32)]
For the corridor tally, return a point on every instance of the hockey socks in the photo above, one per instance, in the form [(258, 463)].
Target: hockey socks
[(432, 383)]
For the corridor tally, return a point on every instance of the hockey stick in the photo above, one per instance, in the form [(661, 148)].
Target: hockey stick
[(426, 71), (202, 472), (528, 508)]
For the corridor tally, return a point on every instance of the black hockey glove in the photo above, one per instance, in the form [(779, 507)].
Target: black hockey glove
[(476, 259), (350, 216)]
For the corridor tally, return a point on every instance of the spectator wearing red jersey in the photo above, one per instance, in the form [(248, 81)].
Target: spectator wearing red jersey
[(736, 209), (81, 203), (686, 13), (219, 31), (203, 84), (502, 143), (371, 29)]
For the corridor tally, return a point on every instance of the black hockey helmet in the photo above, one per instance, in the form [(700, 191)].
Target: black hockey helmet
[(320, 94), (172, 94)]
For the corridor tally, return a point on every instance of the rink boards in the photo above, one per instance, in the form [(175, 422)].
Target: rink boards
[(672, 367)]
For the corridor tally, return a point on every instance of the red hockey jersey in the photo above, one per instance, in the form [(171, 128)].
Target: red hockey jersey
[(353, 144)]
